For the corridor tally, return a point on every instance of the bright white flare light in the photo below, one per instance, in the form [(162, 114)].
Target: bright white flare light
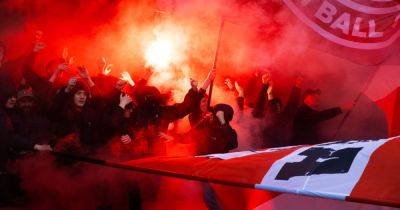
[(159, 54), (166, 55)]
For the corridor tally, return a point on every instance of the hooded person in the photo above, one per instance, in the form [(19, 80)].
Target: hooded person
[(165, 114), (30, 127), (22, 130), (149, 100), (75, 118), (308, 117), (9, 182), (155, 116), (7, 87), (201, 110), (277, 117), (214, 134), (122, 129), (8, 101)]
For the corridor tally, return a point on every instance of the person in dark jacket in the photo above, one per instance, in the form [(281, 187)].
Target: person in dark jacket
[(75, 118), (238, 91), (23, 130), (5, 137), (213, 134), (201, 110), (9, 102), (278, 118), (30, 128), (122, 129), (155, 117), (9, 183), (308, 118)]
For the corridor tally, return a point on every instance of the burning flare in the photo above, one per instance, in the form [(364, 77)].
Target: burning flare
[(159, 54), (166, 55)]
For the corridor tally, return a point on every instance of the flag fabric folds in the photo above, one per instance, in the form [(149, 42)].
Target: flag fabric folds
[(362, 31), (363, 171), (390, 105)]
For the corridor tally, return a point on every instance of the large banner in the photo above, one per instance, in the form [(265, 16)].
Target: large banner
[(359, 24), (365, 31), (359, 170)]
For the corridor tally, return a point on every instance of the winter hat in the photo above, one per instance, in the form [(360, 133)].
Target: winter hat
[(227, 109)]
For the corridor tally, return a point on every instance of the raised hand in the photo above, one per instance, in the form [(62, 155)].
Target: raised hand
[(107, 69), (126, 139), (124, 99), (212, 74), (193, 84), (127, 77), (83, 72), (239, 89), (228, 83), (209, 79), (42, 147), (60, 68), (71, 84), (67, 59), (270, 91), (266, 78), (165, 136), (71, 61), (104, 66)]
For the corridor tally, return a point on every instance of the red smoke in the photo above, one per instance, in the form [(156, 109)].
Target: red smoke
[(135, 35)]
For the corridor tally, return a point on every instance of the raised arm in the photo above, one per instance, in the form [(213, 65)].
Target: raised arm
[(259, 109)]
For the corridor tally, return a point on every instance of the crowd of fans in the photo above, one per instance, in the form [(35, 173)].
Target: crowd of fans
[(72, 112)]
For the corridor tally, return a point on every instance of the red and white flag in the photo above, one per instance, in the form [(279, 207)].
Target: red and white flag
[(364, 171)]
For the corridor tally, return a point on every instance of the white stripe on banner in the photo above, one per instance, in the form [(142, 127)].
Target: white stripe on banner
[(297, 202), (328, 170), (231, 155)]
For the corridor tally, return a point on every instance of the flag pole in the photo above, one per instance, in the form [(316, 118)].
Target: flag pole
[(214, 67)]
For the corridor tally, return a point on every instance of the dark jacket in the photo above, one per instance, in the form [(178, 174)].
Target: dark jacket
[(278, 119), (212, 137), (29, 129), (5, 137), (260, 105), (43, 89), (196, 115), (87, 123), (118, 124), (150, 112), (306, 122), (178, 111)]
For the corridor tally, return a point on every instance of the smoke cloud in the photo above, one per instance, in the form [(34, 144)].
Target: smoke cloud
[(168, 42)]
